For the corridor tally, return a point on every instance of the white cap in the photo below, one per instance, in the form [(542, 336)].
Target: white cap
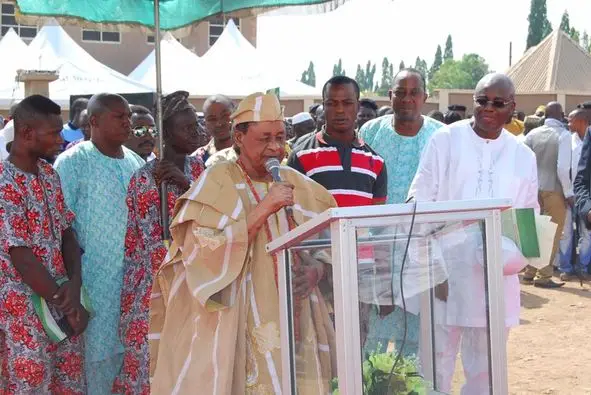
[(8, 132), (301, 117)]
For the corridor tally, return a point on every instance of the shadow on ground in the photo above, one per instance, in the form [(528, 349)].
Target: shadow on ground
[(531, 301), (585, 292)]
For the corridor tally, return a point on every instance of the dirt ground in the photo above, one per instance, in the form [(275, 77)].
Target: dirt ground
[(550, 352)]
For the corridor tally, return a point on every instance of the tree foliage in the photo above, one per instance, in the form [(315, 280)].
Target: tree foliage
[(365, 77), (566, 27), (387, 76), (401, 65), (337, 69), (437, 62), (448, 54), (460, 74), (309, 76), (585, 41), (421, 66), (565, 22), (575, 35), (539, 25)]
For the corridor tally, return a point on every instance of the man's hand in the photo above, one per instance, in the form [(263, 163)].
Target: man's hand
[(280, 195), (67, 297), (169, 172), (570, 201), (78, 319), (307, 275)]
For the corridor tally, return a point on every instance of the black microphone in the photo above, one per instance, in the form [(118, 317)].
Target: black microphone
[(272, 165)]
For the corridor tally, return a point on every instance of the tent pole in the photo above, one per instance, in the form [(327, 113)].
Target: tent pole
[(163, 187)]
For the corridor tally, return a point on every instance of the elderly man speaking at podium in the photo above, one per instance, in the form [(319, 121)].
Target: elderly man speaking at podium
[(215, 304)]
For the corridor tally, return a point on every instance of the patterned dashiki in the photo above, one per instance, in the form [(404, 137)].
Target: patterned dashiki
[(214, 316), (144, 252), (95, 188), (402, 155), (206, 151), (33, 214)]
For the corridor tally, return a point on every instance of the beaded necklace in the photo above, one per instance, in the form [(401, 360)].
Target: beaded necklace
[(295, 263)]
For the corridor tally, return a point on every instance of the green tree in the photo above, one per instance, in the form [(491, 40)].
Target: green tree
[(539, 25), (337, 69), (360, 77), (387, 76), (585, 41), (575, 35), (449, 49), (370, 73), (462, 74), (309, 76), (437, 62), (401, 65), (565, 22), (421, 66)]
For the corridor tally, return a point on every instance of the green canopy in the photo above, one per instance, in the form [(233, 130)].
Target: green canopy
[(174, 14)]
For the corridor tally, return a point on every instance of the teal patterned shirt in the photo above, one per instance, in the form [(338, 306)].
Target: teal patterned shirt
[(95, 188), (401, 153)]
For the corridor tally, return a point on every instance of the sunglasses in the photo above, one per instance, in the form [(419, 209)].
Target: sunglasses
[(141, 131), (496, 103)]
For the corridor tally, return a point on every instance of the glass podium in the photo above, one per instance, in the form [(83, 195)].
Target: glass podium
[(410, 300)]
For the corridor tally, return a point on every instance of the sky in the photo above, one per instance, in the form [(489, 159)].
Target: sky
[(362, 30)]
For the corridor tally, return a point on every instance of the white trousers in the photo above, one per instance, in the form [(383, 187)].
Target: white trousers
[(474, 349)]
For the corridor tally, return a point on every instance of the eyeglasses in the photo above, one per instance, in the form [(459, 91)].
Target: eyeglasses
[(496, 103), (141, 131)]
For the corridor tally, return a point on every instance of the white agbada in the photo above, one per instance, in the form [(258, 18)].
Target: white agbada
[(457, 164)]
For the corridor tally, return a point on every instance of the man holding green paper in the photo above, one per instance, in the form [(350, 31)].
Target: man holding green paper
[(493, 164), (39, 257)]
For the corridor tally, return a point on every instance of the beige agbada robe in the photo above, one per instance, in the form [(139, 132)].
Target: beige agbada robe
[(215, 308)]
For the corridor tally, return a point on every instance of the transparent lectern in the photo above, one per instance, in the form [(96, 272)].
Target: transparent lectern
[(400, 286)]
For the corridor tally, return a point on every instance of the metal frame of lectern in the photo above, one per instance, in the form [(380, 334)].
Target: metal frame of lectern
[(343, 223)]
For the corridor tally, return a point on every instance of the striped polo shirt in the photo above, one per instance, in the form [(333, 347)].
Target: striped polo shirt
[(353, 173)]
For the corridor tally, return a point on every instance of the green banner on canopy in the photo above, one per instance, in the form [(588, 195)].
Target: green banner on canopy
[(174, 14)]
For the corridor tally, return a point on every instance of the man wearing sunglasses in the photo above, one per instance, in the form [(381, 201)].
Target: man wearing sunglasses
[(142, 138), (551, 143), (475, 159)]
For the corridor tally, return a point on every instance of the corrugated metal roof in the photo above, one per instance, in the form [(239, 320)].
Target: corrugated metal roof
[(556, 64)]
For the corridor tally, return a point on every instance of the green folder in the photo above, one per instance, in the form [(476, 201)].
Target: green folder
[(519, 225), (54, 322)]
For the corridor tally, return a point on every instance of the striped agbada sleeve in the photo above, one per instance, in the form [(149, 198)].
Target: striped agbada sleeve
[(208, 252), (210, 238)]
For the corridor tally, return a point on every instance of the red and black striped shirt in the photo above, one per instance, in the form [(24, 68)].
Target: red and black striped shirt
[(353, 173)]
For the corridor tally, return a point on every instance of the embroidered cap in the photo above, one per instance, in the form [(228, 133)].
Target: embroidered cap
[(258, 107), (301, 117)]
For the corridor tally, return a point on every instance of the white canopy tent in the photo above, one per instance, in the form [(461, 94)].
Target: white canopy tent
[(239, 69), (79, 72), (16, 53), (179, 66)]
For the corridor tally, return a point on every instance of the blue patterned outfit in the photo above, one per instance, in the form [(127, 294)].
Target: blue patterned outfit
[(402, 155), (95, 188)]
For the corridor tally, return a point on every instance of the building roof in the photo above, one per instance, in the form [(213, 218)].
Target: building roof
[(558, 63)]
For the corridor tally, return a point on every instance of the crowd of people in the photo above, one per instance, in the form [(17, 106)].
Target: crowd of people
[(80, 213)]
